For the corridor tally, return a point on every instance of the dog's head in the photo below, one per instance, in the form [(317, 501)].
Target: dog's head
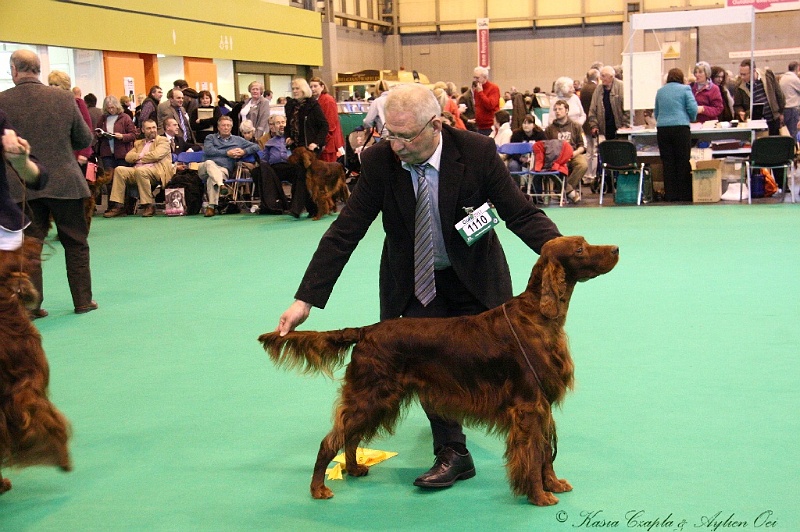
[(302, 155), (15, 267), (565, 261)]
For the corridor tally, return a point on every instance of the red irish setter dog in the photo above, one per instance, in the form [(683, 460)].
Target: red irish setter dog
[(503, 369), (32, 430), (325, 181)]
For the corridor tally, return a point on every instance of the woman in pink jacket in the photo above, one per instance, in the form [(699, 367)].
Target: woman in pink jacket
[(706, 93)]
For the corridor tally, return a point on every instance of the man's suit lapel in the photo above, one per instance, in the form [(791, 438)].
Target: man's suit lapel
[(451, 174), (404, 193)]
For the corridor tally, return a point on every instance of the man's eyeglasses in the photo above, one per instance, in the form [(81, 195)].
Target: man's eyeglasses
[(404, 140)]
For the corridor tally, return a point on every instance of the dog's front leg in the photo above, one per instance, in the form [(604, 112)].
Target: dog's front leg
[(549, 479), (525, 455)]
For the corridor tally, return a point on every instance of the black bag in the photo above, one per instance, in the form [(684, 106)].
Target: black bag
[(192, 187)]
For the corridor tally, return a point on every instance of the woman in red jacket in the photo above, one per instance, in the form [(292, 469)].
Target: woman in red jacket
[(334, 140)]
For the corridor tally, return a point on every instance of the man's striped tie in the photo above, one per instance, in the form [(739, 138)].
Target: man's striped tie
[(424, 281)]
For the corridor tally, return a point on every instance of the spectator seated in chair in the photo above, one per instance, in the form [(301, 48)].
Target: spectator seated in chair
[(275, 169), (563, 128), (151, 158), (222, 151)]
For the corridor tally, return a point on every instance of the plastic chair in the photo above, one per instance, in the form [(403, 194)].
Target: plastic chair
[(547, 176), (519, 148), (619, 156), (770, 152)]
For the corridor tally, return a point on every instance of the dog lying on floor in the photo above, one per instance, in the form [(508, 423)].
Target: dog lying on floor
[(503, 369), (32, 430), (325, 181)]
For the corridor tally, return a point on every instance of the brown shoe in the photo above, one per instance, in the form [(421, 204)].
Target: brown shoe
[(86, 308), (117, 210), (210, 211), (149, 211)]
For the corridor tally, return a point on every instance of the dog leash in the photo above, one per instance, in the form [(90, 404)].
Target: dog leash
[(521, 348)]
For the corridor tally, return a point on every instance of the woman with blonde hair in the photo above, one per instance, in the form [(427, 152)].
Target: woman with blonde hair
[(306, 126), (61, 80), (448, 104), (256, 109)]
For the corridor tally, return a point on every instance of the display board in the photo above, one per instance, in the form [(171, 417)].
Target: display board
[(647, 66)]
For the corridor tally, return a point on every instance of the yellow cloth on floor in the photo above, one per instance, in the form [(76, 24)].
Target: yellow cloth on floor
[(367, 457)]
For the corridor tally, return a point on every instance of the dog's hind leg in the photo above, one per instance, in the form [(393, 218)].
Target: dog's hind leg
[(525, 454), (5, 484), (328, 448)]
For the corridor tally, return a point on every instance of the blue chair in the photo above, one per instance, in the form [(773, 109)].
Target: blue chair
[(519, 148), (190, 157)]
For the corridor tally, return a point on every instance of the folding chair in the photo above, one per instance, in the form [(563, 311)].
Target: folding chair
[(771, 152), (241, 177), (548, 177), (519, 148), (619, 156)]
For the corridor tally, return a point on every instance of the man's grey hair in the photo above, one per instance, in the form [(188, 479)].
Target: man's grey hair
[(481, 71), (413, 98), (608, 70), (593, 74)]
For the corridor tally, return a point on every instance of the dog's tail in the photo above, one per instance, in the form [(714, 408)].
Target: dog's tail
[(311, 351)]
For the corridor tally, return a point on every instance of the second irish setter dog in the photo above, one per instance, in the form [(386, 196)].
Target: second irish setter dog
[(32, 430), (325, 181), (503, 369)]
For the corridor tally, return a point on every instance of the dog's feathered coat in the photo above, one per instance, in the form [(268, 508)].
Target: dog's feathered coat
[(503, 369), (32, 430)]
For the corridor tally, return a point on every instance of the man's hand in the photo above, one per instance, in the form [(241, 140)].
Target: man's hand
[(235, 153), (293, 316)]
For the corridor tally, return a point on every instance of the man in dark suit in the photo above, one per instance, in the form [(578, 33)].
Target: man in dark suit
[(173, 108), (51, 122), (455, 171)]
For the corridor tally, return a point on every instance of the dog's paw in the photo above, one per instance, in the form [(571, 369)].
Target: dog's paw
[(557, 485), (544, 498), (321, 492), (5, 485), (358, 470)]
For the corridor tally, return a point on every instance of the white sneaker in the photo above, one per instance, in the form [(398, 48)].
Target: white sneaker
[(574, 196)]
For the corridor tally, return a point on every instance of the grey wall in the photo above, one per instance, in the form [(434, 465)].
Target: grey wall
[(524, 58), (519, 58)]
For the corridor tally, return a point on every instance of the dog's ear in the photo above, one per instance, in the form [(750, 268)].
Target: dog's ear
[(553, 288), (307, 158)]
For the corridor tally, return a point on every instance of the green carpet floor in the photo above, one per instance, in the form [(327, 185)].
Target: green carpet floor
[(685, 408)]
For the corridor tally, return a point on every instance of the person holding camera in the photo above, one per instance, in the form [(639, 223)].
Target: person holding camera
[(487, 100)]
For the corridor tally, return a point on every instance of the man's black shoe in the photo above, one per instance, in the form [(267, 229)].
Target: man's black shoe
[(449, 467)]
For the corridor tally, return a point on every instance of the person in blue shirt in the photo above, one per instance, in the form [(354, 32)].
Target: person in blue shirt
[(275, 169), (222, 151), (675, 109)]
